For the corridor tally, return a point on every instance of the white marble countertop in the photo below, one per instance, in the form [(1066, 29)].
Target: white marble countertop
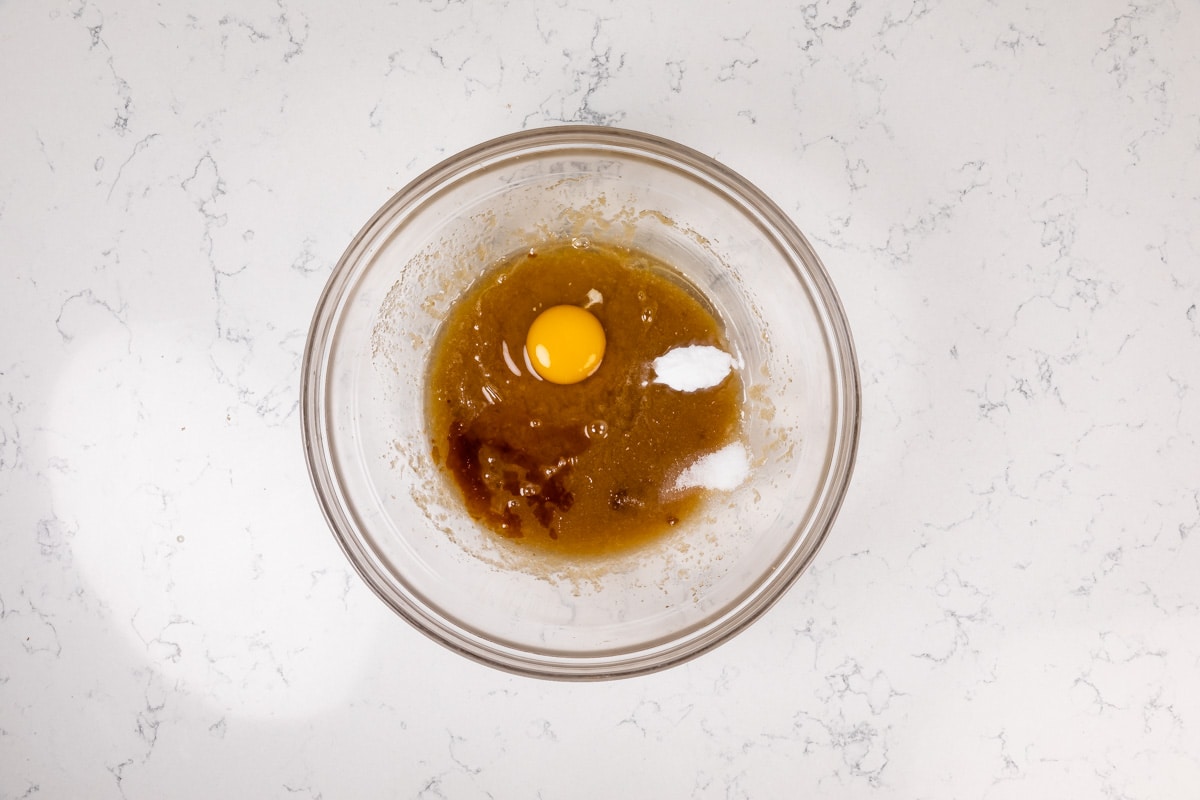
[(1007, 196)]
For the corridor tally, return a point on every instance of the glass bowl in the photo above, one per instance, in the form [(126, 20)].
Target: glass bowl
[(402, 523)]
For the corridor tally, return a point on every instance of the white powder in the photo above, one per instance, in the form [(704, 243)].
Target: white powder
[(722, 470), (689, 369)]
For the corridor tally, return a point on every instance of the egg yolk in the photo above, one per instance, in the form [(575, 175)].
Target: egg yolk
[(565, 344)]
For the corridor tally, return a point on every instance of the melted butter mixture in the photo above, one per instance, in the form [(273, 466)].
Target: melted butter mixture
[(584, 467)]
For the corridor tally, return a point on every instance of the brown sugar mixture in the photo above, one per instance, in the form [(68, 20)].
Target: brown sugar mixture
[(583, 468)]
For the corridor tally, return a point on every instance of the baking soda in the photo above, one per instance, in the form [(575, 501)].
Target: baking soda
[(690, 369)]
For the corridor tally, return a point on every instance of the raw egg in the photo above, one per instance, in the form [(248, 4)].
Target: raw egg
[(565, 344)]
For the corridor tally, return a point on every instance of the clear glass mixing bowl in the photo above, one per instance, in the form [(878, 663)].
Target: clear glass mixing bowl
[(401, 522)]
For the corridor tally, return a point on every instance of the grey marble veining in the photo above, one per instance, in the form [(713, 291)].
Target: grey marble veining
[(1007, 197)]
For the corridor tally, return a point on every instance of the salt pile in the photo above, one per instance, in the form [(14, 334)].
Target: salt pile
[(722, 470)]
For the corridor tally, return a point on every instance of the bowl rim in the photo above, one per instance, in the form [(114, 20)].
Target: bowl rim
[(791, 563)]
